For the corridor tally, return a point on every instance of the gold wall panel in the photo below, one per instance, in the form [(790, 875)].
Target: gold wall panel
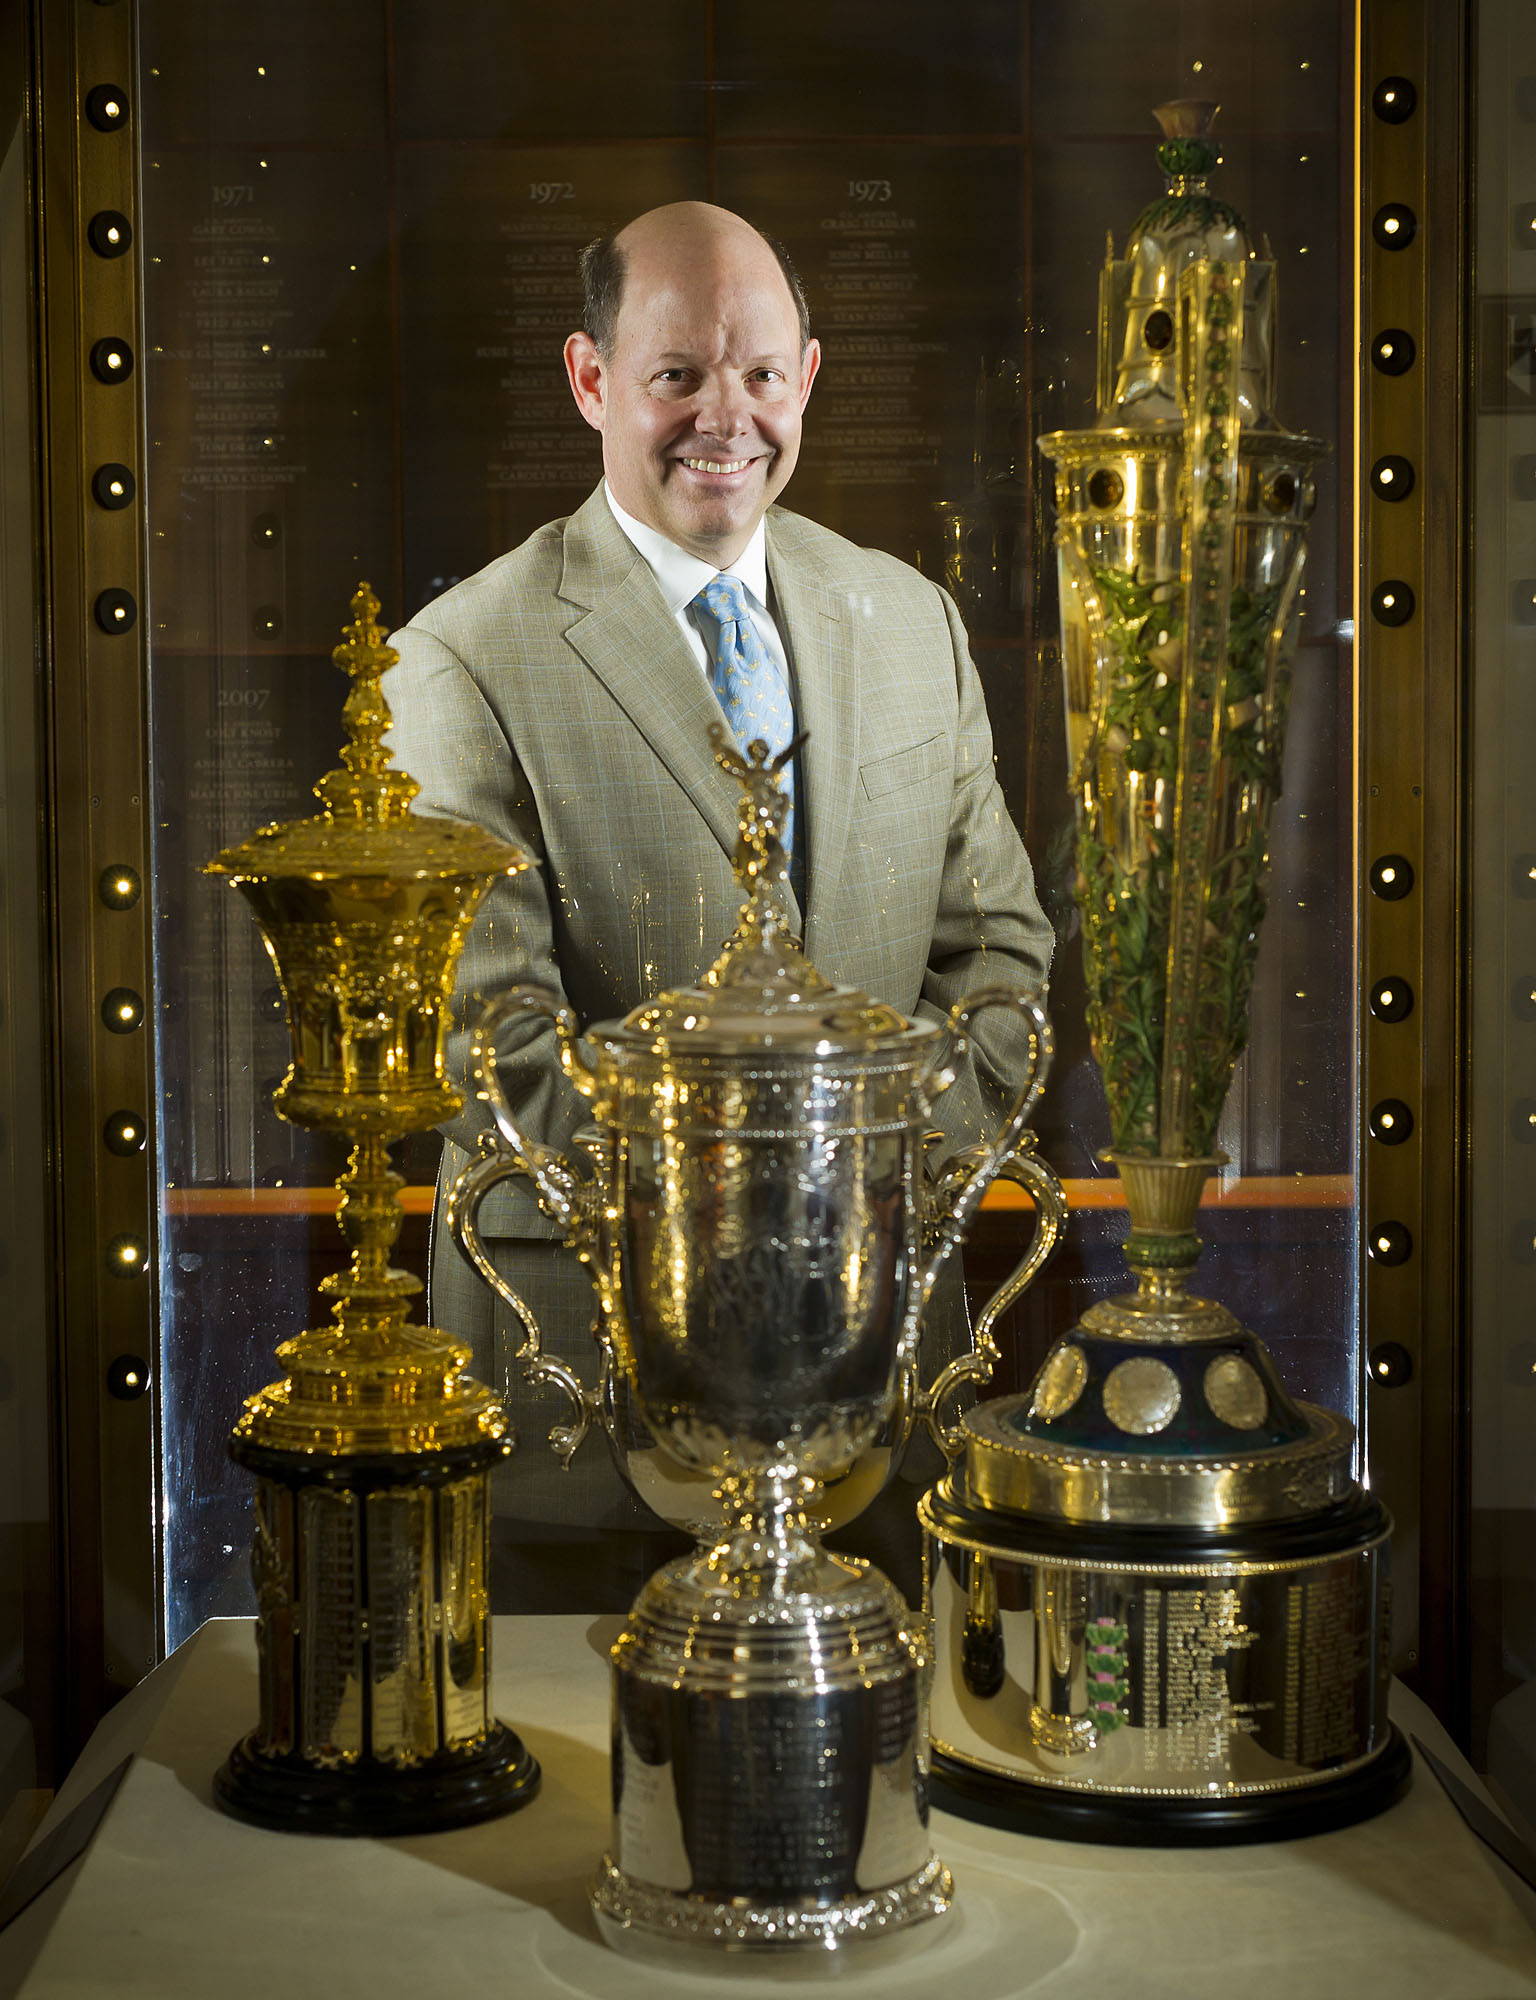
[(90, 361), (1409, 611)]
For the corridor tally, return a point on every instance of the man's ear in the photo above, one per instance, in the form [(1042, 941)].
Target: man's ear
[(810, 361), (584, 369)]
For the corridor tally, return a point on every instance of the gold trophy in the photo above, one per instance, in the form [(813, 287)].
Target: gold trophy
[(372, 1458), (1159, 1595)]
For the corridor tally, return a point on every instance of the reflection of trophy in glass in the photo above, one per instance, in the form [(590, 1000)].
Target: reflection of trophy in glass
[(1160, 1596), (763, 1246), (986, 537), (373, 1458)]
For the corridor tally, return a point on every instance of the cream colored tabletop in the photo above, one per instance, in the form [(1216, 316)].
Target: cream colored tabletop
[(173, 1899)]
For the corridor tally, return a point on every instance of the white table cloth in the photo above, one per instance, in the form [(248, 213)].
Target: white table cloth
[(174, 1899)]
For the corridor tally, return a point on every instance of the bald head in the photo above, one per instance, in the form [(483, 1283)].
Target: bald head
[(693, 233), (695, 366)]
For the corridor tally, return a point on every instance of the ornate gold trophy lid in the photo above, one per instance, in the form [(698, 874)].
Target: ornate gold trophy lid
[(363, 909)]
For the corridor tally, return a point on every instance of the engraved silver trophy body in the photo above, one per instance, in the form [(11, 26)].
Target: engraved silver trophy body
[(763, 1244)]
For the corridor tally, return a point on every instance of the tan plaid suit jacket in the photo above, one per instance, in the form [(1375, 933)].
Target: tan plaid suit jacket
[(553, 699)]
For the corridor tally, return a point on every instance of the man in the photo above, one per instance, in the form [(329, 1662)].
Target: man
[(563, 697)]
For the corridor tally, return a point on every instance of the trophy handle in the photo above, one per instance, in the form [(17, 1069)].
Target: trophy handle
[(1024, 1167), (463, 1218), (560, 1187), (952, 1203), (564, 1196)]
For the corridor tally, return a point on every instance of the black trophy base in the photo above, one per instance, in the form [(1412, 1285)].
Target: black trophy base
[(1119, 1819), (374, 1800)]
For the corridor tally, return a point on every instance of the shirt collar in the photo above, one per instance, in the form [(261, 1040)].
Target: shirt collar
[(682, 576)]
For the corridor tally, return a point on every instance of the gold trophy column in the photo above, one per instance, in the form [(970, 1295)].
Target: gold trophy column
[(372, 1457)]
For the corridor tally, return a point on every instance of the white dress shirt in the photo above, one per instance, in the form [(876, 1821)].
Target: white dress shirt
[(681, 576)]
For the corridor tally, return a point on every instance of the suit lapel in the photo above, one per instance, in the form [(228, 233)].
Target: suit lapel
[(631, 642), (819, 626)]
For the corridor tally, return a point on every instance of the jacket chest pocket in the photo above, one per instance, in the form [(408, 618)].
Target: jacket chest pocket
[(897, 773)]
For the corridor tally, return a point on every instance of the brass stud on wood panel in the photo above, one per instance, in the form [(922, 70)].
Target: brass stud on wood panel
[(122, 1010), (1389, 1243), (1394, 100), (109, 233), (1394, 225), (113, 487), (1391, 877), (106, 106), (111, 360), (125, 1133), (1393, 351), (1391, 999), (1393, 602)]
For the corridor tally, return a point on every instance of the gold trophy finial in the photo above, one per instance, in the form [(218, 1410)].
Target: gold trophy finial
[(365, 788), (372, 1457)]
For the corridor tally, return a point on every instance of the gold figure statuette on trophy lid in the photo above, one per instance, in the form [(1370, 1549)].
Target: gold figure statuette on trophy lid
[(372, 1458)]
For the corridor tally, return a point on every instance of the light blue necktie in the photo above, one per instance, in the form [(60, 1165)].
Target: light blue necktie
[(752, 690)]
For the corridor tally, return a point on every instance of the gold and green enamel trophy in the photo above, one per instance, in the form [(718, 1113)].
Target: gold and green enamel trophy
[(372, 1458), (1159, 1594)]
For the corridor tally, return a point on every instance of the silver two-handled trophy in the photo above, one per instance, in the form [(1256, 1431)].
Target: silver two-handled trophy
[(763, 1241)]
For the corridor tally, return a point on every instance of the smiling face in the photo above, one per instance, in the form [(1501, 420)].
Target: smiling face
[(699, 402)]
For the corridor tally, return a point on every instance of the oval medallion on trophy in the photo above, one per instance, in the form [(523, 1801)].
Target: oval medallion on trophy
[(1141, 1395), (1235, 1392), (1059, 1384)]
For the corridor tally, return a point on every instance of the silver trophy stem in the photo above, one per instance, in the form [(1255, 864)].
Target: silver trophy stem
[(769, 1531)]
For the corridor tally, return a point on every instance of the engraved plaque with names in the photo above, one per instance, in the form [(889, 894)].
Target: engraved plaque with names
[(900, 248), (490, 290), (768, 1796), (331, 1648), (461, 1555), (402, 1664)]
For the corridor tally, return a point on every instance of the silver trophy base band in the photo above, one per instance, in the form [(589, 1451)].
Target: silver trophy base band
[(689, 1932), (1237, 1700)]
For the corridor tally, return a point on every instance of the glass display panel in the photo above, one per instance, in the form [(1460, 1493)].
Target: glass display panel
[(360, 225), (1501, 1212)]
